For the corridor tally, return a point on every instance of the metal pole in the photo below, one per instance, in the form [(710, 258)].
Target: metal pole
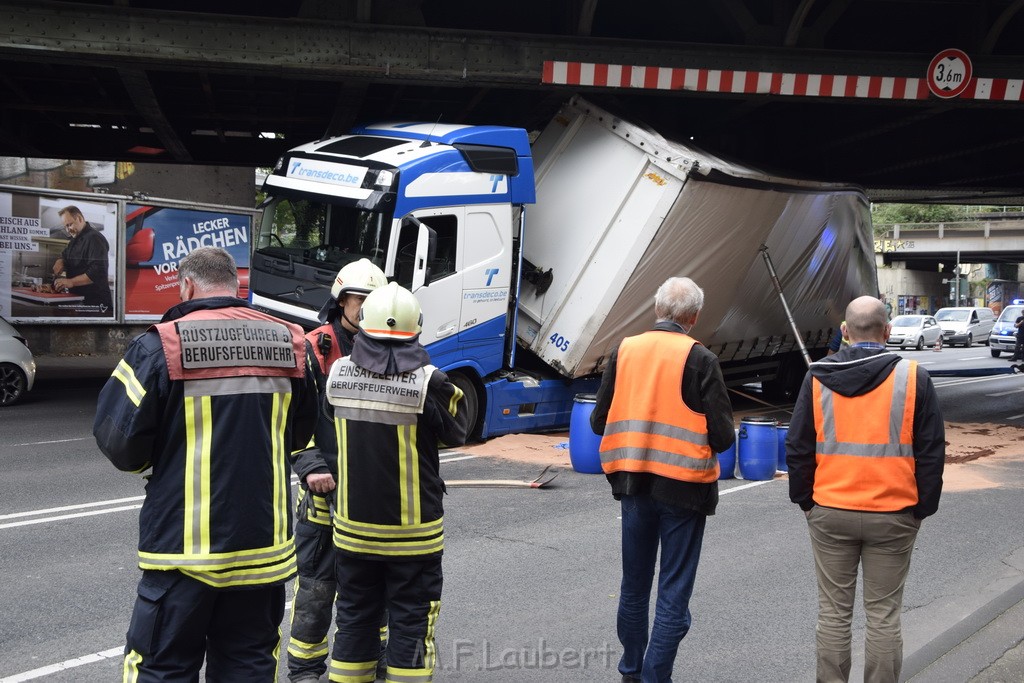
[(785, 306), (956, 300), (511, 343)]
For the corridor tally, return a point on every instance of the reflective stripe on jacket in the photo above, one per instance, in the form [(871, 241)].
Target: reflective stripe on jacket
[(324, 457), (227, 521), (377, 420), (650, 428), (865, 445)]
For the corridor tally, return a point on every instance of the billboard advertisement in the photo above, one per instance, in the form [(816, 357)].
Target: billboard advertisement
[(58, 258), (156, 237)]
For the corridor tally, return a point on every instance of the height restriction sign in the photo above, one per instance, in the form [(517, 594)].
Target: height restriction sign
[(949, 73)]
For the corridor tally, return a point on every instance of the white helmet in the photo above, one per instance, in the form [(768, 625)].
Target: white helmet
[(391, 313), (358, 277)]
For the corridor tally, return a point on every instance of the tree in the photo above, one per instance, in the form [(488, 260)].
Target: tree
[(889, 214)]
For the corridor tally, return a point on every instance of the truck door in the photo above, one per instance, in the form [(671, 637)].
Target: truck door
[(428, 262), (487, 278)]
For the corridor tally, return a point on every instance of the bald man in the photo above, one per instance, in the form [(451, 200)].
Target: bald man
[(865, 451)]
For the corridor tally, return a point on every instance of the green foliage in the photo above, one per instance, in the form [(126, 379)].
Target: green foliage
[(888, 214)]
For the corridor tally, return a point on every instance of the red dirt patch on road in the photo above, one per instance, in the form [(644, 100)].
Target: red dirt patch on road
[(974, 452)]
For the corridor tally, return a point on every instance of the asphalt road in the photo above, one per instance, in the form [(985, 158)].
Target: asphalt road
[(531, 576)]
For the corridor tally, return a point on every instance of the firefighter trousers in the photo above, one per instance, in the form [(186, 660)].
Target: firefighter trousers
[(177, 621), (315, 587), (410, 590), (315, 590)]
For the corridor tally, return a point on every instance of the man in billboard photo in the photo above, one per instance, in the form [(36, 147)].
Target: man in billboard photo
[(82, 267)]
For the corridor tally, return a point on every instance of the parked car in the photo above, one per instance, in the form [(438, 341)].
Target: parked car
[(1004, 333), (17, 366), (965, 324), (914, 330)]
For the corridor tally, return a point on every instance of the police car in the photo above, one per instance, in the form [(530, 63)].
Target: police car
[(1004, 333)]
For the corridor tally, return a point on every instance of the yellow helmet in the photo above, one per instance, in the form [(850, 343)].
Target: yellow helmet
[(391, 313)]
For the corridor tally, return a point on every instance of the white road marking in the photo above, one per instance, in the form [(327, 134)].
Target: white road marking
[(119, 651), (730, 490), (1015, 417), (27, 522), (65, 665), (40, 443), (463, 457), (48, 511), (114, 652), (968, 380), (1006, 393), (53, 517)]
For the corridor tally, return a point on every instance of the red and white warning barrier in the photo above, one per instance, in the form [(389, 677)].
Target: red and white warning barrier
[(767, 82)]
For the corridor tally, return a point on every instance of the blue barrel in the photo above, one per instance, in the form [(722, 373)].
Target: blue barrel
[(758, 448), (584, 444), (727, 462), (782, 429)]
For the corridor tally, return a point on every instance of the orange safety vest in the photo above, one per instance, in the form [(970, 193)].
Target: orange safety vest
[(865, 445), (650, 429)]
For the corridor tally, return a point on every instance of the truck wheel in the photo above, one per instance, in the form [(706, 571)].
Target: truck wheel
[(12, 384), (471, 402), (995, 353), (920, 343)]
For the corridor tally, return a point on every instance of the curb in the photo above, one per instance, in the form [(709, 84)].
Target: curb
[(955, 655)]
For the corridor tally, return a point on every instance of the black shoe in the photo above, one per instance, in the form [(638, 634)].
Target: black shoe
[(630, 679)]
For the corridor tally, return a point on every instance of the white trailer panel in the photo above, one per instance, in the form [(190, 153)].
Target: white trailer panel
[(620, 209)]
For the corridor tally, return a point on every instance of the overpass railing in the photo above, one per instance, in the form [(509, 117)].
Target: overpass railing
[(995, 228), (901, 236)]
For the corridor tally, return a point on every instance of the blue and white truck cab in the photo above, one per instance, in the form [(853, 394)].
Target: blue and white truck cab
[(438, 208)]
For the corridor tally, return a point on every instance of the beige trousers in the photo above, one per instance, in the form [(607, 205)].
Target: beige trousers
[(881, 543)]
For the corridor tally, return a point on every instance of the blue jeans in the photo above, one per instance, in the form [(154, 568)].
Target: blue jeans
[(646, 523)]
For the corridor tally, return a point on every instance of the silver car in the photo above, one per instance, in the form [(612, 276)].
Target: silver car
[(918, 331), (17, 366)]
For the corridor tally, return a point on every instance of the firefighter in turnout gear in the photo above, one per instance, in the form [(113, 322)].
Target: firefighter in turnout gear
[(316, 468), (212, 399), (391, 408)]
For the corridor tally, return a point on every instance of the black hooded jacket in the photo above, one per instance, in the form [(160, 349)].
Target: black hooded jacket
[(854, 371)]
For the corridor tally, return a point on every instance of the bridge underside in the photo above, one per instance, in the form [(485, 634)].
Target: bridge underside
[(222, 82)]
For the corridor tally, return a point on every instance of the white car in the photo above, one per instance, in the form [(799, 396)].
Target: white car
[(17, 366), (918, 331)]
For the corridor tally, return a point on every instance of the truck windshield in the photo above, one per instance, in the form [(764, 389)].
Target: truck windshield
[(329, 235)]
